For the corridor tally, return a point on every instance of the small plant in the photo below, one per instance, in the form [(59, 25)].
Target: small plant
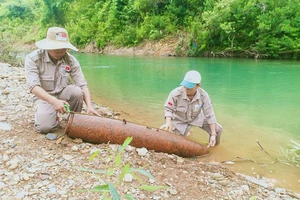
[(292, 153), (117, 172)]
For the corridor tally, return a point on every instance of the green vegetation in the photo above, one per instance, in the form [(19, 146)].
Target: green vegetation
[(115, 170), (247, 28), (291, 154)]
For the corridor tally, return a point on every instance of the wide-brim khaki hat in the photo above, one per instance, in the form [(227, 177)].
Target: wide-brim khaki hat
[(57, 38)]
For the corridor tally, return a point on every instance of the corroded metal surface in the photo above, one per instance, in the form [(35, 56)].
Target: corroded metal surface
[(98, 130)]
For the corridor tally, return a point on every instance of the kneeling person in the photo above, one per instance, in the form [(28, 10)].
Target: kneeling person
[(189, 105), (55, 78)]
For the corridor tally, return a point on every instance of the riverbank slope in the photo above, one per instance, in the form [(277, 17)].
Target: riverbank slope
[(34, 167)]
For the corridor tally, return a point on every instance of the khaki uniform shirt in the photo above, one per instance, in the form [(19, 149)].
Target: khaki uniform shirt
[(41, 71), (185, 112)]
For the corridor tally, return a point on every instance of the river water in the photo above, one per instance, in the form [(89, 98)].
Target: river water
[(256, 102)]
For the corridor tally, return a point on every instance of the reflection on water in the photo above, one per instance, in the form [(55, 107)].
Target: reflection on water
[(253, 100)]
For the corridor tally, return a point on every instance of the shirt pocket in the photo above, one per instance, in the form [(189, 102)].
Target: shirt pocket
[(181, 112), (47, 82), (196, 110), (62, 82)]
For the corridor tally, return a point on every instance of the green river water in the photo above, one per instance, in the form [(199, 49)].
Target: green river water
[(253, 100)]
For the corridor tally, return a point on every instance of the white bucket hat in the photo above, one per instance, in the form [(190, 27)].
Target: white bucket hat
[(57, 38), (191, 79)]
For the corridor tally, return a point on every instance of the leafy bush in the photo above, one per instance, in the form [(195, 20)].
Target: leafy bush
[(9, 52), (264, 29)]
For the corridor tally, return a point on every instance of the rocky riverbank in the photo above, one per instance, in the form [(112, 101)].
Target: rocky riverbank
[(34, 167)]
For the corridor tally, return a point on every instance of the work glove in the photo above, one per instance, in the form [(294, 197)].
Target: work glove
[(212, 141), (168, 126)]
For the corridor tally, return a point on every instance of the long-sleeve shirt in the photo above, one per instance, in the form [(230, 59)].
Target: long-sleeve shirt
[(53, 78)]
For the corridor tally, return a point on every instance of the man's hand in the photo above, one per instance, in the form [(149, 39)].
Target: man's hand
[(168, 125), (59, 105), (92, 111), (212, 140)]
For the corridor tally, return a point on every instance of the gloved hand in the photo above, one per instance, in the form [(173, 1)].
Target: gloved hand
[(168, 125), (212, 140)]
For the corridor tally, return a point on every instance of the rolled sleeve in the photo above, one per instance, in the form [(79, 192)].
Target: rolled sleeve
[(169, 107), (32, 73), (208, 111)]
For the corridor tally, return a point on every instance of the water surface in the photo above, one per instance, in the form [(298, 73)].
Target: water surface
[(254, 100)]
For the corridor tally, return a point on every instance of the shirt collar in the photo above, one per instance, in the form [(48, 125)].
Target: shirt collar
[(196, 97), (47, 58)]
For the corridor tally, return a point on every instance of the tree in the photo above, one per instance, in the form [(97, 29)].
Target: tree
[(55, 12)]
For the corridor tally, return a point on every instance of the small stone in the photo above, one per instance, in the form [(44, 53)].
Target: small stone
[(16, 178), (229, 163), (223, 182), (25, 176), (217, 176), (51, 136), (13, 166), (180, 160), (2, 185), (173, 191), (151, 180), (128, 178), (5, 126), (279, 190), (5, 158), (2, 118), (75, 148), (245, 187), (142, 151), (68, 157), (78, 141), (52, 190), (21, 195), (129, 148)]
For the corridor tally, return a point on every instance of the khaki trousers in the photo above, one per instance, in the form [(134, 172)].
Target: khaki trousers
[(46, 115), (206, 128)]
